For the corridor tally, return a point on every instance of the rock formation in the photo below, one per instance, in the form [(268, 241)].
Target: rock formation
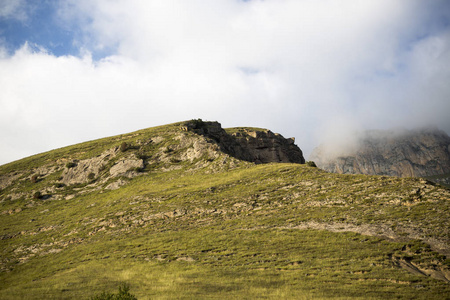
[(79, 171), (197, 143), (406, 153), (249, 144)]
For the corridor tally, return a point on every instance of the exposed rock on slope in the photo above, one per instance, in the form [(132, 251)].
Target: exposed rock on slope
[(127, 166), (78, 172), (415, 153), (196, 143), (250, 144)]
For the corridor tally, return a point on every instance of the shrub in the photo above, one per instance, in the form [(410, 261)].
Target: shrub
[(123, 294), (70, 164), (136, 169), (167, 150), (311, 164), (197, 124), (142, 155), (123, 147), (34, 178), (91, 176), (37, 195)]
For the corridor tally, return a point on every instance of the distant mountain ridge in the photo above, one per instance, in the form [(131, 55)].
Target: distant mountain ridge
[(403, 153)]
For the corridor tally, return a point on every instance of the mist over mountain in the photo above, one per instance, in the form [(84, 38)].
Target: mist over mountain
[(403, 153)]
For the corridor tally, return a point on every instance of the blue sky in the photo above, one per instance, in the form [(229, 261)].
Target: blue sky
[(76, 70), (40, 27), (40, 24)]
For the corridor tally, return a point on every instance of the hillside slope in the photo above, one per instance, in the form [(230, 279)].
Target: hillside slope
[(174, 213)]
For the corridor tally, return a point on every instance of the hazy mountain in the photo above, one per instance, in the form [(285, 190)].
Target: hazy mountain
[(403, 153)]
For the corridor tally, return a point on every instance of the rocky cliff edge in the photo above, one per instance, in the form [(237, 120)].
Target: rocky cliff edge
[(403, 153), (249, 144)]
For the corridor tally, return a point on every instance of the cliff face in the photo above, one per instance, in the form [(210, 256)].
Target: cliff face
[(415, 153), (253, 145)]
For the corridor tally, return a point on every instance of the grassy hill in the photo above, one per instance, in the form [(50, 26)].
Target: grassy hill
[(166, 212)]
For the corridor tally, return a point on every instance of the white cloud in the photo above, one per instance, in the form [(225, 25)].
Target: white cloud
[(301, 68), (14, 9)]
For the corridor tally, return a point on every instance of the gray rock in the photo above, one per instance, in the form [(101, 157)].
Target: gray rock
[(116, 184), (80, 173), (406, 153), (254, 145), (126, 167)]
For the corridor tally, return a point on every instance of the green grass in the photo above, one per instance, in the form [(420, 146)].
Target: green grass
[(227, 229), (88, 149), (243, 129), (223, 263)]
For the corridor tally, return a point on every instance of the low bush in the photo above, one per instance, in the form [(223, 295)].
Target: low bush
[(197, 124), (34, 178), (311, 164), (70, 164), (124, 147), (142, 155), (123, 294), (167, 150), (137, 169), (37, 195), (174, 160)]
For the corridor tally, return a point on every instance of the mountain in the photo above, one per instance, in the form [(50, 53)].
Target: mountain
[(403, 153), (192, 210)]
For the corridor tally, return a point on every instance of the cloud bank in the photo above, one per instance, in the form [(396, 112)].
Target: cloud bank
[(315, 70)]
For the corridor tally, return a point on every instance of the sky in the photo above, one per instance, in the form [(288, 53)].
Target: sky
[(317, 70)]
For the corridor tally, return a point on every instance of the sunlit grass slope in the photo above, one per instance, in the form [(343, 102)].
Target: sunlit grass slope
[(215, 227)]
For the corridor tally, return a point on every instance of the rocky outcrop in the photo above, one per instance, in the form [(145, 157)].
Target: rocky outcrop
[(253, 145), (127, 167), (265, 146), (84, 170), (406, 153), (116, 160)]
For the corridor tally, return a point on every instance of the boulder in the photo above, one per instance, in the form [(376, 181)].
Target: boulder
[(126, 167)]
